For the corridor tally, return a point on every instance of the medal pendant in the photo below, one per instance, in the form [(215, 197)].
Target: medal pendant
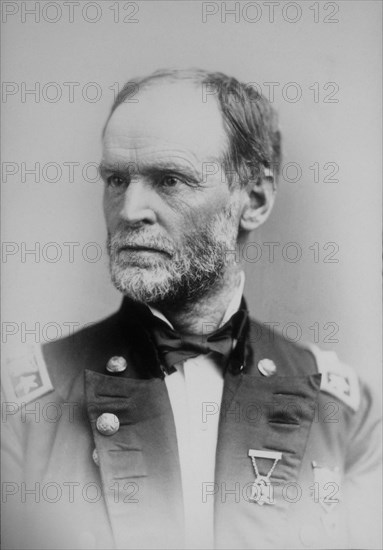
[(262, 491)]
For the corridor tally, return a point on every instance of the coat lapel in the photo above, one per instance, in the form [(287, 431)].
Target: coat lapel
[(139, 464), (260, 413)]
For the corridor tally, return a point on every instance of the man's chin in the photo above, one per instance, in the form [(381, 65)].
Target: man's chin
[(144, 283)]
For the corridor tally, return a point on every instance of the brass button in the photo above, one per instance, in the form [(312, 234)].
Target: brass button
[(96, 460), (116, 364), (267, 367), (107, 424)]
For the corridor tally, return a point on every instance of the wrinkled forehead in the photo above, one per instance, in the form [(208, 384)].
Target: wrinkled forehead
[(167, 117)]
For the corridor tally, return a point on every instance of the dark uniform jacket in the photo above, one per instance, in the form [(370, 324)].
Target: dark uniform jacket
[(68, 485)]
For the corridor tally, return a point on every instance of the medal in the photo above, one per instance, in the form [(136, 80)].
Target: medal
[(262, 490)]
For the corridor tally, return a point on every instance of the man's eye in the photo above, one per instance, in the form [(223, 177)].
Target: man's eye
[(116, 181), (169, 181)]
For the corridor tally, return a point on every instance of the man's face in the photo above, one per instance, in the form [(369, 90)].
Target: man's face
[(170, 224)]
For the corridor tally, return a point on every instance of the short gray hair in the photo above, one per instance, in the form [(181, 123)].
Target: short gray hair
[(251, 122)]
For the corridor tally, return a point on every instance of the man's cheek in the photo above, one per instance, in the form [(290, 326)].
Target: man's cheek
[(112, 208), (196, 220)]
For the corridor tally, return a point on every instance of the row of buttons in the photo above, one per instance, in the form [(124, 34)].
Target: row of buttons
[(109, 424), (118, 364)]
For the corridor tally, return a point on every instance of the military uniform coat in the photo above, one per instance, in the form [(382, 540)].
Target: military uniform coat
[(68, 485)]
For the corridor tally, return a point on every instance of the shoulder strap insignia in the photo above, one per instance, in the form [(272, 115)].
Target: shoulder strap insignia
[(24, 375), (338, 379)]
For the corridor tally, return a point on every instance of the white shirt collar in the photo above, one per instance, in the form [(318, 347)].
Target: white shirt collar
[(232, 308)]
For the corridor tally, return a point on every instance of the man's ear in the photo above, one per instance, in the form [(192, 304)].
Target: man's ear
[(259, 197)]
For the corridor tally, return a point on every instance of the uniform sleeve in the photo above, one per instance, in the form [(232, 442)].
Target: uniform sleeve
[(11, 475), (24, 378), (363, 483)]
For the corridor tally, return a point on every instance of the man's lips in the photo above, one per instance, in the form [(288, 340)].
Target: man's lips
[(143, 248)]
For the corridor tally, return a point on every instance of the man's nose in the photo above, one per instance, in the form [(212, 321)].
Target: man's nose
[(138, 203)]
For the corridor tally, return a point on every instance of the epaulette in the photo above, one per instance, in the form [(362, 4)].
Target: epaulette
[(24, 374), (338, 379)]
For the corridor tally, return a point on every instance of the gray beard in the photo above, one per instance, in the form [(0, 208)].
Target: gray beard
[(183, 276)]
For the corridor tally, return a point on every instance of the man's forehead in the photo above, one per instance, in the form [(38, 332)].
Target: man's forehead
[(141, 158), (168, 117)]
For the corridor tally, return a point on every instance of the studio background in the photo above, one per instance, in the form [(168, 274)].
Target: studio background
[(309, 298)]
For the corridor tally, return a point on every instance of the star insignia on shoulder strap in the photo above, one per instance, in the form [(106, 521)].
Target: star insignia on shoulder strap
[(338, 379), (24, 374)]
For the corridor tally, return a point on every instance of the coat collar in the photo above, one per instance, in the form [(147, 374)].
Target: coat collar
[(134, 320)]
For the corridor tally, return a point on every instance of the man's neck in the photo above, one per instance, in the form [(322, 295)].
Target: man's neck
[(206, 314)]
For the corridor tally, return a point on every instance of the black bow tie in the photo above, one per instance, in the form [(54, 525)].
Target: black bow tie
[(174, 347)]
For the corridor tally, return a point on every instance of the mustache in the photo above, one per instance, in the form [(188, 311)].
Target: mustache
[(140, 239)]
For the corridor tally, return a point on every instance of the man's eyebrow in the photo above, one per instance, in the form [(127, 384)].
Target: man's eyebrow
[(111, 167), (183, 168)]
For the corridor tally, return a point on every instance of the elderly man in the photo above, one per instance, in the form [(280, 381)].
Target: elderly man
[(179, 422)]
